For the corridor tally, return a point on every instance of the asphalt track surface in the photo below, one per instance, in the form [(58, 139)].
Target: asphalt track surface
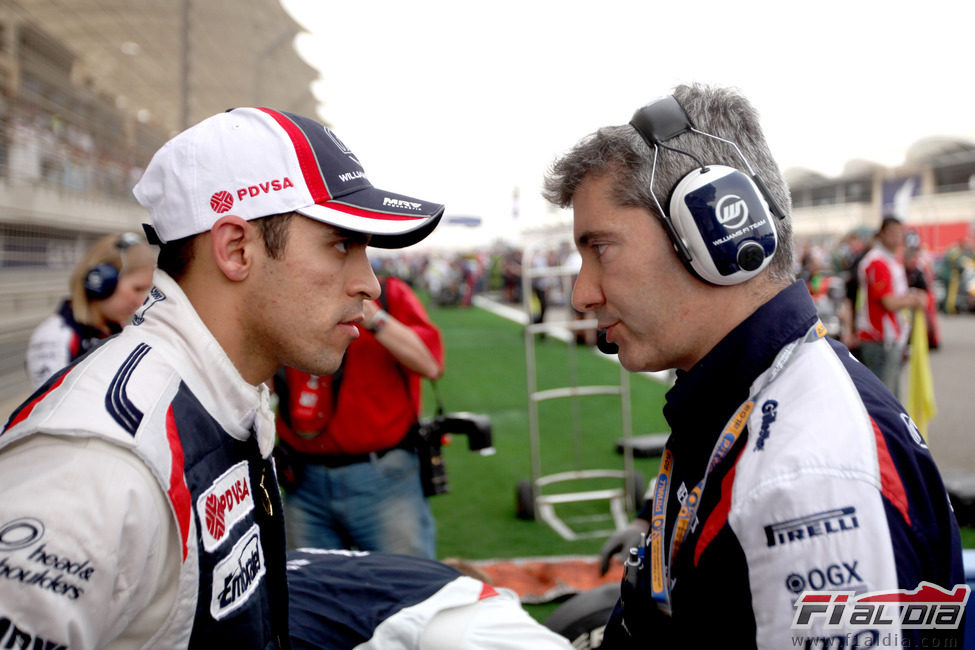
[(951, 433)]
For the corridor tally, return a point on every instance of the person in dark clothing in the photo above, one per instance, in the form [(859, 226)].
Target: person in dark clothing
[(790, 468)]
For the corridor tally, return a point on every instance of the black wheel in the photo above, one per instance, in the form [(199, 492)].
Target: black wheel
[(581, 619), (636, 490), (525, 507)]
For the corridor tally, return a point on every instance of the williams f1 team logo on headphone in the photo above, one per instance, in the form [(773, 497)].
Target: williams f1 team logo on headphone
[(732, 211), (719, 218)]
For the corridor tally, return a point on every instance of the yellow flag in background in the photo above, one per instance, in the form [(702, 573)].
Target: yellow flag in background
[(920, 386)]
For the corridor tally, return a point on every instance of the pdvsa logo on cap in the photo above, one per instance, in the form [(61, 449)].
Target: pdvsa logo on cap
[(221, 201)]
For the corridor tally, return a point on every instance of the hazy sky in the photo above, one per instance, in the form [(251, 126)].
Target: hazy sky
[(460, 102)]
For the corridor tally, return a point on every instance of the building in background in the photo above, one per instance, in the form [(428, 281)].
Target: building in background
[(89, 89), (932, 191)]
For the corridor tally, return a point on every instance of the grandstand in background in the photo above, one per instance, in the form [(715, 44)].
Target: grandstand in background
[(89, 89), (932, 191)]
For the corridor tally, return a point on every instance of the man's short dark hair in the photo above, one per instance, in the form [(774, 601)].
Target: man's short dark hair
[(890, 220), (175, 256)]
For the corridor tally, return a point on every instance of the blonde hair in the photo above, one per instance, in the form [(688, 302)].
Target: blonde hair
[(126, 251)]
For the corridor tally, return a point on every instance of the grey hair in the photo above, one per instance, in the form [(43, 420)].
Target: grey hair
[(619, 151)]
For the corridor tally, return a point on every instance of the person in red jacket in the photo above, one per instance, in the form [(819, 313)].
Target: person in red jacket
[(350, 434), (882, 329)]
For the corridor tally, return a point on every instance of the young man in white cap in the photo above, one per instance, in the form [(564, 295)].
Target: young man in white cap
[(140, 505)]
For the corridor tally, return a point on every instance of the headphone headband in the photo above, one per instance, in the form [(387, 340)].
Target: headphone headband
[(661, 120), (127, 239)]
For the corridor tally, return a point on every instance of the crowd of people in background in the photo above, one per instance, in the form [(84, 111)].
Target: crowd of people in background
[(39, 147), (828, 266), (944, 284)]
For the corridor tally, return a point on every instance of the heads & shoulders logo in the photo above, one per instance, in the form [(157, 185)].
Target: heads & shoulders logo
[(20, 533), (38, 567)]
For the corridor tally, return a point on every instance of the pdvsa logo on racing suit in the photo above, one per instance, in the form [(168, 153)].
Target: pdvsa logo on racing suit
[(238, 575), (224, 504), (928, 607)]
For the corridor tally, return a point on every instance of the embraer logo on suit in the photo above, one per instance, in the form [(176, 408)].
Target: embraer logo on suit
[(237, 576)]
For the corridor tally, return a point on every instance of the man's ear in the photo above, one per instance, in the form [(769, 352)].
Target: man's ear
[(233, 239)]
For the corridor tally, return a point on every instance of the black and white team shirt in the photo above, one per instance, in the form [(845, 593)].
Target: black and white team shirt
[(829, 486)]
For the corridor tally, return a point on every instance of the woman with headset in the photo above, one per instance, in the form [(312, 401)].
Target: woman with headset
[(106, 287)]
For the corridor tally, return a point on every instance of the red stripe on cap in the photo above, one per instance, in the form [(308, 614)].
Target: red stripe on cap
[(719, 516), (306, 156), (179, 493), (890, 481), (24, 412), (369, 214), (487, 591)]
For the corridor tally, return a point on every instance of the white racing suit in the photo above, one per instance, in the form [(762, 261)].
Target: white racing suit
[(57, 341), (139, 505)]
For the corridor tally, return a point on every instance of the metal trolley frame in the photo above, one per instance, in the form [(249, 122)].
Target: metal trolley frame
[(533, 501)]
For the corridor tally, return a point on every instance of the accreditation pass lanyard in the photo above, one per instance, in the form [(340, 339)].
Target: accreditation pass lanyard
[(660, 583)]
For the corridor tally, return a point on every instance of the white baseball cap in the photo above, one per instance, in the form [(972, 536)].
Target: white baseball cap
[(256, 162)]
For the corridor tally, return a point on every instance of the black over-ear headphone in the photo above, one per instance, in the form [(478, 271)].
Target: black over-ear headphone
[(720, 219), (102, 279)]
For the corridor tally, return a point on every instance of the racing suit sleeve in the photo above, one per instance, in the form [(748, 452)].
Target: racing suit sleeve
[(495, 623), (48, 350), (87, 557), (818, 531)]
